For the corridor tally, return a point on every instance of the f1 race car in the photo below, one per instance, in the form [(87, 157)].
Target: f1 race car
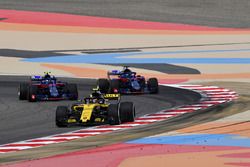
[(98, 108), (47, 87), (127, 82)]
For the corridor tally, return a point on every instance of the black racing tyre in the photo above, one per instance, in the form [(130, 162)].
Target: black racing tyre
[(73, 91), (32, 93), (127, 112), (103, 85), (143, 83), (62, 116), (153, 85), (114, 85), (23, 91), (114, 114)]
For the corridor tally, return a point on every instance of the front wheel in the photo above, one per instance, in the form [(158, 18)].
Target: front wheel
[(23, 91), (127, 112), (114, 114), (62, 116), (153, 85)]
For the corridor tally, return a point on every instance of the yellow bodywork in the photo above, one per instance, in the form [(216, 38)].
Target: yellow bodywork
[(87, 110), (72, 120), (112, 96)]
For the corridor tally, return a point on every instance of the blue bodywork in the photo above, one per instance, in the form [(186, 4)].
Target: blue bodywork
[(48, 88), (129, 82)]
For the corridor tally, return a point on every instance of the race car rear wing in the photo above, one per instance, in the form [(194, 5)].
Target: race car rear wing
[(36, 78), (113, 73), (112, 96), (40, 78)]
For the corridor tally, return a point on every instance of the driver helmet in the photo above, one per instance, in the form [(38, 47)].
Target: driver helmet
[(97, 93), (47, 75), (127, 70)]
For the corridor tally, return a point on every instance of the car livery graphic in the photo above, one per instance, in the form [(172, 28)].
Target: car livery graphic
[(42, 88), (127, 82), (98, 108)]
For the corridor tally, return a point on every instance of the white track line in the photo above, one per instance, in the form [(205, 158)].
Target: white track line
[(159, 116), (214, 95), (18, 148)]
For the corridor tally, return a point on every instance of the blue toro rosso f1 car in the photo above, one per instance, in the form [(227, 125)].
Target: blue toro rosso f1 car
[(127, 82), (44, 88)]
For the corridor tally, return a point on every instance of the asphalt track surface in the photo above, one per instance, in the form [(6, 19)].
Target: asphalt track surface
[(22, 120), (220, 13), (172, 124)]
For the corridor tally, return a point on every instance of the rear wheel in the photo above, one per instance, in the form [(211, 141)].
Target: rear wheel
[(72, 90), (62, 116), (32, 93), (127, 112), (142, 83), (114, 86), (23, 91), (153, 86), (103, 85), (113, 114)]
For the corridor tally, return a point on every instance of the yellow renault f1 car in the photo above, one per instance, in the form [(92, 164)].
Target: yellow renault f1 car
[(98, 108)]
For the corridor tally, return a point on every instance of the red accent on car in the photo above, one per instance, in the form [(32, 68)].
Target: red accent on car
[(42, 86), (60, 84), (55, 98), (124, 79)]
